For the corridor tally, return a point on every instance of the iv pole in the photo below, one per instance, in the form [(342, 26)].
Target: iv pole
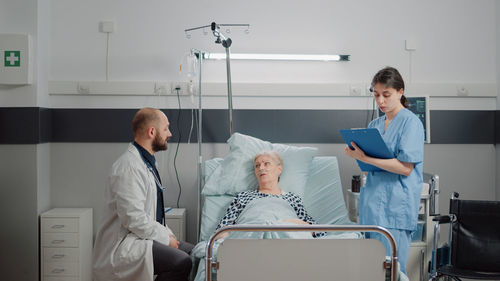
[(226, 43), (199, 54)]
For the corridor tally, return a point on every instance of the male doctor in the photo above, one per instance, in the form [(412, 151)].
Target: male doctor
[(133, 242)]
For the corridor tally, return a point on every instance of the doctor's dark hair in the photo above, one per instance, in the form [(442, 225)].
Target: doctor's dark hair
[(391, 78), (144, 118)]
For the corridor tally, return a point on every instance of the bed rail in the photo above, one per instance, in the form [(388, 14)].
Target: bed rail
[(315, 228)]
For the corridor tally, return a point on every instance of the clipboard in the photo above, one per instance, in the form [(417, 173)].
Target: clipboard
[(371, 142)]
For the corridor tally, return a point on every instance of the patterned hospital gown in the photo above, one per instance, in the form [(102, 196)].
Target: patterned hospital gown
[(243, 198)]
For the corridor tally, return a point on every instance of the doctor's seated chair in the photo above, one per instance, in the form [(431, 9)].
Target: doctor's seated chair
[(475, 241)]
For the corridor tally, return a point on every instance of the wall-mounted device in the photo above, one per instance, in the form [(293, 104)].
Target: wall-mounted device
[(419, 106), (16, 59)]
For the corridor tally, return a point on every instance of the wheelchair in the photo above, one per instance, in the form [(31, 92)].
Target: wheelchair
[(474, 241)]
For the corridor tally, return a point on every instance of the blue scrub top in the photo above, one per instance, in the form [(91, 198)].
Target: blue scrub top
[(388, 199)]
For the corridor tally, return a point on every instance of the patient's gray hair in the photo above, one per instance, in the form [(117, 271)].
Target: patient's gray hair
[(271, 153)]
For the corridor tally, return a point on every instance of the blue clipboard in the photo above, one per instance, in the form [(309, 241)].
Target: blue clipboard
[(371, 142)]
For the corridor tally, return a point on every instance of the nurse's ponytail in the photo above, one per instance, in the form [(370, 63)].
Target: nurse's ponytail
[(391, 78), (404, 101)]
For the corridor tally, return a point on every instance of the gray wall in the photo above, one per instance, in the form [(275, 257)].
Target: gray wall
[(497, 6), (20, 208), (497, 194), (79, 170), (43, 177)]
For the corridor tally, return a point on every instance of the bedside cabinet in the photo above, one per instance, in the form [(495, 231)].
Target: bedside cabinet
[(421, 246), (176, 221), (66, 244)]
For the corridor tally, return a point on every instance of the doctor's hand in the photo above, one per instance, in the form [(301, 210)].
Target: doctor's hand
[(173, 242), (355, 153)]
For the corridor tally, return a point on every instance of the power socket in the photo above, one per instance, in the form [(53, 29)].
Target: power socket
[(106, 26), (355, 90), (161, 89), (177, 86), (185, 88), (462, 91), (410, 44), (82, 89)]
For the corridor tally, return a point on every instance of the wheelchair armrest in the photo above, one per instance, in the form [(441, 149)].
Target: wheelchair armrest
[(442, 219)]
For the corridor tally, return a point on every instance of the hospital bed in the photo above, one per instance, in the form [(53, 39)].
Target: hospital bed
[(340, 255)]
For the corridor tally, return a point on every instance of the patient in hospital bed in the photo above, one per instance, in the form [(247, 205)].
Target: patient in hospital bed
[(268, 204), (230, 186)]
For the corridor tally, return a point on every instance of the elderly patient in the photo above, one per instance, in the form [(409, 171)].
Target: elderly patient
[(268, 166)]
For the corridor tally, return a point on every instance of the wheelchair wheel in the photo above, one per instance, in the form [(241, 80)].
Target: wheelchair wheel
[(446, 278)]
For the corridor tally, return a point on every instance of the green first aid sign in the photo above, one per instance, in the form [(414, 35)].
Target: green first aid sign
[(12, 58)]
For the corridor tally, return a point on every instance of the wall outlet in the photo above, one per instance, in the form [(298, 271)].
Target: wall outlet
[(355, 90), (410, 45), (185, 88), (462, 90), (161, 89), (82, 89), (106, 26), (178, 85)]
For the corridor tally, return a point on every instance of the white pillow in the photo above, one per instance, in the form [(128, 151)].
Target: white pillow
[(236, 173)]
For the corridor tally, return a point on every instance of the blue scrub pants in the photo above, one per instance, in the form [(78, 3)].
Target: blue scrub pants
[(403, 240)]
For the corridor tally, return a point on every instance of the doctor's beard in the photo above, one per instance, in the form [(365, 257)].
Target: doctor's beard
[(159, 144)]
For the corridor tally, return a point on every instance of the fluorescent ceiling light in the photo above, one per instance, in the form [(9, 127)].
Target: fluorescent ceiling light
[(220, 56)]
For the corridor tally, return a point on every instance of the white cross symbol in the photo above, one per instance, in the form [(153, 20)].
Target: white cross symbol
[(12, 58)]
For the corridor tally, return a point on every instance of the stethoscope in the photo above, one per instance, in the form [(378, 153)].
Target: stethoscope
[(157, 180), (150, 168)]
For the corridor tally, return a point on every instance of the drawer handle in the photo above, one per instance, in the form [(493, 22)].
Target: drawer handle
[(58, 241), (58, 256), (58, 226), (58, 270)]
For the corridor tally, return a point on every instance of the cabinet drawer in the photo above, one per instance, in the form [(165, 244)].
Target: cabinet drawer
[(60, 269), (60, 225), (61, 254), (60, 240)]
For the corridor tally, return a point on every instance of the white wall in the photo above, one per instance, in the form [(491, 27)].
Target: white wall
[(42, 53), (149, 40), (453, 38)]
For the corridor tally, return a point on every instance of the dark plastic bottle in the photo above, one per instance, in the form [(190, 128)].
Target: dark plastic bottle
[(356, 183)]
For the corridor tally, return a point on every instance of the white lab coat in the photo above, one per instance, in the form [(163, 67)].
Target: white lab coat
[(123, 247)]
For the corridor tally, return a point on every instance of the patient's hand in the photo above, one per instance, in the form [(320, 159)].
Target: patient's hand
[(222, 236), (295, 221)]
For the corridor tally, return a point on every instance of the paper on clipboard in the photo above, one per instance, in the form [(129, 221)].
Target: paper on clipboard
[(371, 142)]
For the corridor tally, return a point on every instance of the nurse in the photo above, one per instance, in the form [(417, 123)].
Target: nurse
[(391, 197)]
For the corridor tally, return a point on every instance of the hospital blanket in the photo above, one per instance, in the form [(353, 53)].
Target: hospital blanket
[(262, 211)]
